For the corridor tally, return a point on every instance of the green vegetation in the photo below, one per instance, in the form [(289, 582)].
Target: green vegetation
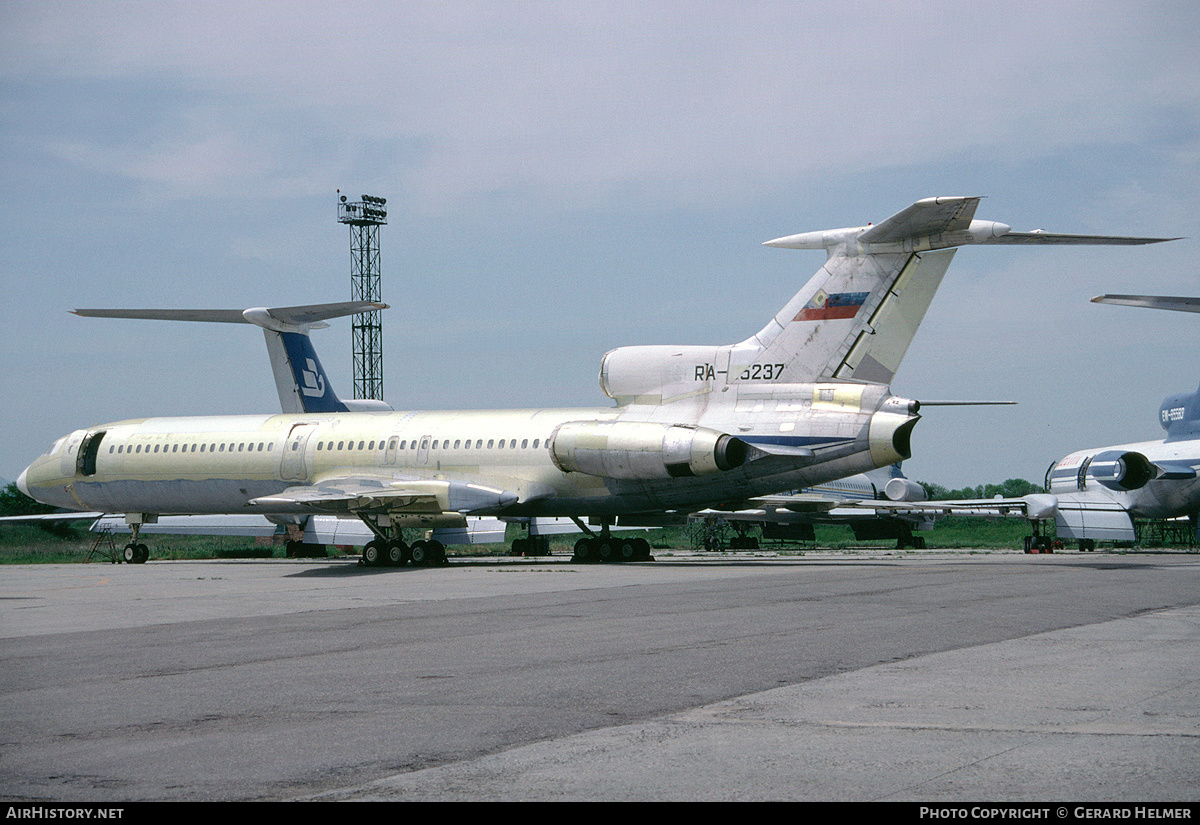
[(1012, 488)]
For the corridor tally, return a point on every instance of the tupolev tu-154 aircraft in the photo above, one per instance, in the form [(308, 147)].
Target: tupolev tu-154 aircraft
[(804, 400)]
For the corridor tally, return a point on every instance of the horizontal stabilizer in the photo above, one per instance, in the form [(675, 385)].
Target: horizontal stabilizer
[(295, 318), (300, 380), (938, 223), (1040, 237), (931, 216), (1151, 302)]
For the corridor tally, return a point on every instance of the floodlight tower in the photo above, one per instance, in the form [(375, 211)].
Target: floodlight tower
[(364, 218)]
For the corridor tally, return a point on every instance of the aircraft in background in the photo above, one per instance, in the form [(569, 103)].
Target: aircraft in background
[(849, 502), (1100, 491), (802, 402)]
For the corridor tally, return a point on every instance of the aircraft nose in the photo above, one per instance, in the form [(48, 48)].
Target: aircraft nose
[(21, 482)]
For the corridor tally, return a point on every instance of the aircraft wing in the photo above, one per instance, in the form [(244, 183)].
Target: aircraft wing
[(1033, 506), (48, 517), (370, 495), (317, 529)]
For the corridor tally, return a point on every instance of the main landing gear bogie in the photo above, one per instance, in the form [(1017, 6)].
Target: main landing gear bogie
[(379, 553), (610, 550)]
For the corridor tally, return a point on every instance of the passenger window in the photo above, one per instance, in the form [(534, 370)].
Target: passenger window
[(501, 444), (535, 443), (524, 443), (490, 443), (340, 443)]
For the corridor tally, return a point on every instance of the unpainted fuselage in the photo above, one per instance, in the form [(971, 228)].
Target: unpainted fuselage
[(220, 464)]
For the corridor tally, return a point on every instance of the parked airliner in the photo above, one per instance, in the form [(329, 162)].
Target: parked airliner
[(805, 400)]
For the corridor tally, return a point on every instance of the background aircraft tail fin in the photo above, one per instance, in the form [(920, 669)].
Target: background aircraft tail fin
[(300, 379), (1179, 414)]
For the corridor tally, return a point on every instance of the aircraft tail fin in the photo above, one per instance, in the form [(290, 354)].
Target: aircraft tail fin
[(300, 379), (852, 321), (857, 316)]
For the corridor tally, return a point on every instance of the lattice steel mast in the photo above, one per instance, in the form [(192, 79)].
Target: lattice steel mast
[(364, 218)]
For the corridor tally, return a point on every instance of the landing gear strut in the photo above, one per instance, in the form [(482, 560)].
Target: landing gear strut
[(135, 552), (1038, 542)]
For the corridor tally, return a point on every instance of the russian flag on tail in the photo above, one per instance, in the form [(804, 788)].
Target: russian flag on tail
[(824, 306)]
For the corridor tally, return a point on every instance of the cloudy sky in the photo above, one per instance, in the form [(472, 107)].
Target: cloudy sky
[(565, 178)]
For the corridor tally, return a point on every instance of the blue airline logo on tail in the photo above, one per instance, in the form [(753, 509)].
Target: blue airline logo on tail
[(314, 383), (315, 392)]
